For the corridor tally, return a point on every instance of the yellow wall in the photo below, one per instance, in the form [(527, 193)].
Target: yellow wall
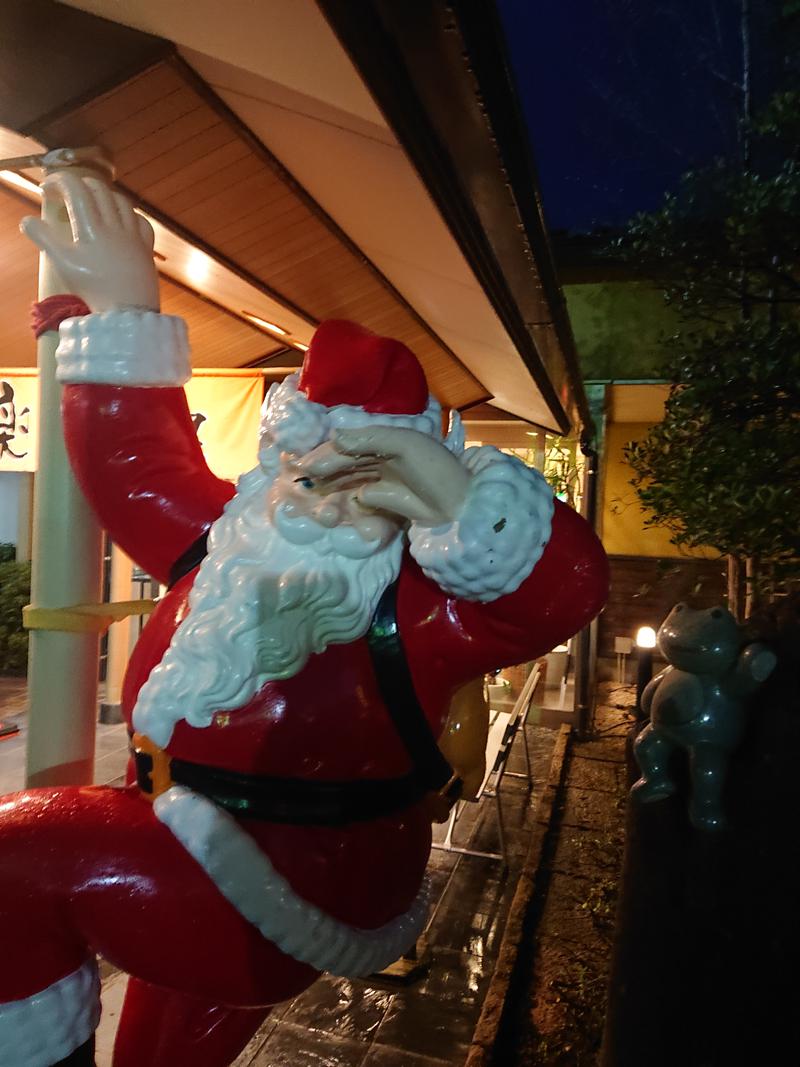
[(623, 530)]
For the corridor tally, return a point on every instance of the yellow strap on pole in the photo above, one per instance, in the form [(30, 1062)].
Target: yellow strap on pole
[(83, 618)]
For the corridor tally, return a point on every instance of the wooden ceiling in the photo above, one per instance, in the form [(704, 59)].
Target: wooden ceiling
[(219, 339), (493, 426), (19, 261), (189, 162), (488, 413)]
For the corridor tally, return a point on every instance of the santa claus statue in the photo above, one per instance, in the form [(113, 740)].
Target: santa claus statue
[(286, 697)]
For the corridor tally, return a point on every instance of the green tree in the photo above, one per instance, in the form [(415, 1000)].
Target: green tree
[(15, 593), (722, 468)]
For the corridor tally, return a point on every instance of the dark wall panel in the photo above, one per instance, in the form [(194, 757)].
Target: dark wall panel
[(643, 590)]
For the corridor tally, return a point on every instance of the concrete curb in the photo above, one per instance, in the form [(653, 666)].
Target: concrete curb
[(488, 1025)]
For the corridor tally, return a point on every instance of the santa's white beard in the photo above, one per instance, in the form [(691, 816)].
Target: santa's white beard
[(260, 605)]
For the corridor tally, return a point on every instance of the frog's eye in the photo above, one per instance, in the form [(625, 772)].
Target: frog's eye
[(306, 483)]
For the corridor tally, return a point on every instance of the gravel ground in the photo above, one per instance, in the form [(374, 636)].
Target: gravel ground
[(556, 1009)]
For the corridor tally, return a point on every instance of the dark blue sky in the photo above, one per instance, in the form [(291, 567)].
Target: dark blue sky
[(624, 96)]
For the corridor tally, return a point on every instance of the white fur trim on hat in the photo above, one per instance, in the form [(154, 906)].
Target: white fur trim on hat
[(127, 347), (49, 1025), (245, 877), (498, 538), (293, 423)]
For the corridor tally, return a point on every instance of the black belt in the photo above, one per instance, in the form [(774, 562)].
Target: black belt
[(299, 801)]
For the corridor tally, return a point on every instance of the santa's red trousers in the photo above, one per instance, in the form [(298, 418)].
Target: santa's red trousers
[(90, 870)]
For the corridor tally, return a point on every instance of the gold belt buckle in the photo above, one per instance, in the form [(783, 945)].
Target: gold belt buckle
[(160, 776)]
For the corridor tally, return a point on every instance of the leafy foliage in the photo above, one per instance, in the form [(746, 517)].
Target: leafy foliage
[(15, 591), (562, 467), (562, 470), (722, 468), (726, 243)]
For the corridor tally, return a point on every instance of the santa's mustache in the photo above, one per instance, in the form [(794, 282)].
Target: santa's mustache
[(344, 540)]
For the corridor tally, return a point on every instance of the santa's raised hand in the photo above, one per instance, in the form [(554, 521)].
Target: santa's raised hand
[(395, 470), (109, 259)]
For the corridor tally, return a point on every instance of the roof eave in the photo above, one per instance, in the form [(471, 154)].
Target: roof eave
[(440, 74)]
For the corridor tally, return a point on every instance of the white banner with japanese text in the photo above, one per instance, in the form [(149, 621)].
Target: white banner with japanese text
[(19, 400), (225, 406)]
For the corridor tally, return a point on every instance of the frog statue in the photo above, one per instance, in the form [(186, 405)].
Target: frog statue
[(698, 703)]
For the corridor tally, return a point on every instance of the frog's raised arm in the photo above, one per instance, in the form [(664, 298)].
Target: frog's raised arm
[(755, 664)]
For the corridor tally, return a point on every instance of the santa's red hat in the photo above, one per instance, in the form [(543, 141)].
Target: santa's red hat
[(347, 364), (350, 378)]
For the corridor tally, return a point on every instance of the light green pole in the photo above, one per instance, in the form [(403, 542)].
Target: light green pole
[(62, 666)]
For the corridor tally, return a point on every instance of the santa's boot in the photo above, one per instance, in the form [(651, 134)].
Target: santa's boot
[(163, 1028), (53, 1027)]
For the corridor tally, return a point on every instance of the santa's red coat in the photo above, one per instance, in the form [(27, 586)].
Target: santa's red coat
[(136, 456)]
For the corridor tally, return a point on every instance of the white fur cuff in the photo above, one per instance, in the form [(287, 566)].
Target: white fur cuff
[(500, 535), (48, 1026), (124, 348), (245, 876)]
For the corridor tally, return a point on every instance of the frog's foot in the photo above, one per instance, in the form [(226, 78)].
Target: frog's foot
[(649, 790), (707, 817)]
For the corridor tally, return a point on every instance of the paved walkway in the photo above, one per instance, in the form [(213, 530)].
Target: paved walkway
[(340, 1023), (111, 747)]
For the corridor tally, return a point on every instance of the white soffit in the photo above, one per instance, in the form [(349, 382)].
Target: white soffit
[(280, 68), (288, 38), (367, 185)]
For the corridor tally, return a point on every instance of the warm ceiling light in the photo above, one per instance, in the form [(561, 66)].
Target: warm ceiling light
[(198, 267), (263, 323), (10, 177), (303, 348)]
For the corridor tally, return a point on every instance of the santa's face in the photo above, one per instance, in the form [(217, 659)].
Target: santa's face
[(301, 505)]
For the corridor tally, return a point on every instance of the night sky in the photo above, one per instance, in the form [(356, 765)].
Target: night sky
[(624, 96)]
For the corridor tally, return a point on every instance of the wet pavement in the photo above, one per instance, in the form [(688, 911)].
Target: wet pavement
[(111, 742), (371, 1023), (341, 1023)]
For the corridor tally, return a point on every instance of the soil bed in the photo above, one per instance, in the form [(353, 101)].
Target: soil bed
[(556, 1006)]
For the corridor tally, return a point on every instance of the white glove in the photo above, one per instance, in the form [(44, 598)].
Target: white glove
[(402, 471), (109, 261)]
